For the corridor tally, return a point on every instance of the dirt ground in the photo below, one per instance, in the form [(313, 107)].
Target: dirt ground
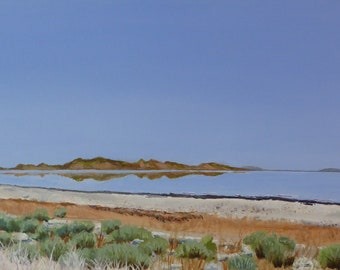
[(179, 224)]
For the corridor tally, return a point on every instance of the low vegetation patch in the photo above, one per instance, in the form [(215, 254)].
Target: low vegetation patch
[(330, 257), (27, 240), (242, 262), (277, 250), (60, 212)]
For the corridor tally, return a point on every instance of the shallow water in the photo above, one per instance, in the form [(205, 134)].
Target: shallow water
[(296, 185)]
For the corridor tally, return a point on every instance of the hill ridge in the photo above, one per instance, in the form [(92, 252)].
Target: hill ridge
[(101, 163)]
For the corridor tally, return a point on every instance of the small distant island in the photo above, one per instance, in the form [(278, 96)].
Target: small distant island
[(330, 170), (100, 163)]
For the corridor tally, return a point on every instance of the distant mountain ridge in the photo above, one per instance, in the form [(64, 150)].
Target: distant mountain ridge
[(100, 163)]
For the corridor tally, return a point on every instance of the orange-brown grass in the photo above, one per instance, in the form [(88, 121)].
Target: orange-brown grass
[(226, 230)]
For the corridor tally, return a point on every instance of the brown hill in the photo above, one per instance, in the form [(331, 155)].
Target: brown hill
[(100, 163)]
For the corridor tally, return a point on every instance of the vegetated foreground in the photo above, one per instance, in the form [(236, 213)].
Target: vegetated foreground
[(36, 240)]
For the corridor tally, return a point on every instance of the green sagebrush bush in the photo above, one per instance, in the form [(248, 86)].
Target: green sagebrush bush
[(54, 248), (330, 256), (205, 249), (242, 262), (279, 250), (84, 240), (255, 240), (60, 212), (42, 232), (63, 230), (117, 255), (29, 225), (79, 226), (108, 226), (158, 246), (127, 234), (41, 214), (5, 239), (10, 224)]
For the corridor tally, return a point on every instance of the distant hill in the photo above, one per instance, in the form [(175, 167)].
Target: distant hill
[(253, 168), (100, 163), (330, 170)]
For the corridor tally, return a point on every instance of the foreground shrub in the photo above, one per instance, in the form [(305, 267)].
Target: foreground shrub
[(42, 232), (127, 234), (90, 256), (242, 262), (41, 214), (205, 249), (25, 252), (123, 255), (84, 240), (279, 251), (10, 224), (80, 226), (108, 226), (54, 248), (330, 257), (158, 246), (5, 239), (255, 240), (29, 225), (60, 212), (63, 230)]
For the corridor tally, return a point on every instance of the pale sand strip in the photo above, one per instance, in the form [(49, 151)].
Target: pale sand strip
[(319, 214)]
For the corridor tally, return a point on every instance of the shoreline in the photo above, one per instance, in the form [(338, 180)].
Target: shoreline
[(192, 196), (257, 208)]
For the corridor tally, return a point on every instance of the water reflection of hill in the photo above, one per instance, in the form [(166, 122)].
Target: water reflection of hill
[(110, 176)]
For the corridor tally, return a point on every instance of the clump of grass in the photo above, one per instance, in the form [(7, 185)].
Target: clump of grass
[(60, 212), (255, 240), (10, 224), (42, 232), (159, 246), (204, 250), (90, 256), (242, 262), (330, 257), (25, 252), (123, 255), (108, 226), (5, 239), (84, 240), (277, 250), (29, 225), (128, 233), (41, 214), (80, 226), (54, 248), (63, 231)]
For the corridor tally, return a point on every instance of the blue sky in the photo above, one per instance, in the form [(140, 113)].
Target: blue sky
[(238, 82)]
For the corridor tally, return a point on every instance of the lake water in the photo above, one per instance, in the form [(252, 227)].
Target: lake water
[(297, 185)]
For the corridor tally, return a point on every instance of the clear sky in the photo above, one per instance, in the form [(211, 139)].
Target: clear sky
[(239, 82)]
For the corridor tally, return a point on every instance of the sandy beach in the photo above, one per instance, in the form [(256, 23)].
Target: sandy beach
[(315, 214)]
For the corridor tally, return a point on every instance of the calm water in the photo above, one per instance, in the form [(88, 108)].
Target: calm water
[(297, 185)]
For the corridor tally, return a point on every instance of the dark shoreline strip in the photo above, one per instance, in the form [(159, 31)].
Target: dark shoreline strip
[(207, 196)]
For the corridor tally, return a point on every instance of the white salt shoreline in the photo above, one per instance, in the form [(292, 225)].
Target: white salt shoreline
[(318, 214)]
